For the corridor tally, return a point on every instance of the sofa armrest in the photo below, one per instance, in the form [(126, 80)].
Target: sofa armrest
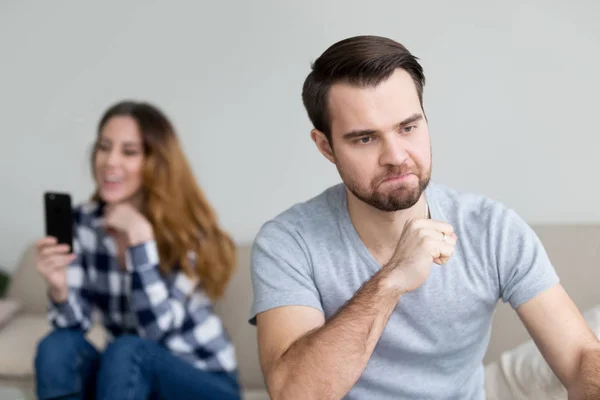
[(26, 284)]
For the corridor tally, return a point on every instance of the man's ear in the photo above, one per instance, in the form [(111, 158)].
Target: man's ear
[(322, 144)]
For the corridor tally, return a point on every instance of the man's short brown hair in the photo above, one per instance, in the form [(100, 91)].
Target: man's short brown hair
[(361, 61)]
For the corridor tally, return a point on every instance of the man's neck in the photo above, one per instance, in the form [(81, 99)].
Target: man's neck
[(380, 230)]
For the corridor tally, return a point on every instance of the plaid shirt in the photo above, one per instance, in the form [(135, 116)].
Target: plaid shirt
[(171, 310)]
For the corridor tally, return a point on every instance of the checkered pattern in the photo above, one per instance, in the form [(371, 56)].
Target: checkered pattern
[(171, 310)]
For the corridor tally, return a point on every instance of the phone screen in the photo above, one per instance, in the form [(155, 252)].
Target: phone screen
[(59, 217)]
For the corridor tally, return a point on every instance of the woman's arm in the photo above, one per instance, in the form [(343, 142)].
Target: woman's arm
[(177, 314), (76, 311), (165, 308)]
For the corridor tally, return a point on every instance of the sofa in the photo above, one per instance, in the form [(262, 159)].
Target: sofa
[(511, 357)]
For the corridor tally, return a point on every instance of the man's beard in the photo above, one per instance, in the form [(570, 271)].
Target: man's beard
[(400, 198)]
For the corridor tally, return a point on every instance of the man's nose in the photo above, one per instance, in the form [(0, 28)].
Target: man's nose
[(394, 151)]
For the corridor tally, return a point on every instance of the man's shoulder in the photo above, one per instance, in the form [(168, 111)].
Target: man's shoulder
[(467, 205), (308, 216), (482, 216)]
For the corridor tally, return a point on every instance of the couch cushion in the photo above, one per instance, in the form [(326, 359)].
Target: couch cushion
[(8, 309), (234, 309), (19, 340)]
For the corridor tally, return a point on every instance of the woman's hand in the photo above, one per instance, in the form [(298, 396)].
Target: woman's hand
[(51, 262), (126, 219)]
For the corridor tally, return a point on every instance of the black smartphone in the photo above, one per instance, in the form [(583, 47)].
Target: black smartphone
[(59, 217)]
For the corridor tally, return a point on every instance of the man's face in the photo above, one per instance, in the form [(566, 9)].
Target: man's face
[(380, 141)]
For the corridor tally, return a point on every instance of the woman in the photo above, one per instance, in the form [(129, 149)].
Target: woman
[(149, 255)]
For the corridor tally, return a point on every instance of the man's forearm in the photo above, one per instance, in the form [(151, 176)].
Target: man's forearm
[(326, 362), (587, 381)]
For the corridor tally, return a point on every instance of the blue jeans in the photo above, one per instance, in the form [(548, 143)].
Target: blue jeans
[(67, 366)]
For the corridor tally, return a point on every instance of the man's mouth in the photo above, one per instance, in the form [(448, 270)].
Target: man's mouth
[(397, 178)]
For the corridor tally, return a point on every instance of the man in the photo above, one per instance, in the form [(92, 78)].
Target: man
[(383, 287)]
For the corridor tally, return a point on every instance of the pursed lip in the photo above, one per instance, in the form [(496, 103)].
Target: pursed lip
[(397, 178)]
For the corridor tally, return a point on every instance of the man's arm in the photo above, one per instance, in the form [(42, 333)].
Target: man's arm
[(304, 357), (565, 340)]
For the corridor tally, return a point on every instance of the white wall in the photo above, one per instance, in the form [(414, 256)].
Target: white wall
[(512, 97)]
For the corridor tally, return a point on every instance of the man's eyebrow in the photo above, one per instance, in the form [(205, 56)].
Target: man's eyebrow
[(409, 120), (366, 132), (359, 133)]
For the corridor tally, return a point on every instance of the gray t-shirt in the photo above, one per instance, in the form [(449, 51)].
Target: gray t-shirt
[(437, 336)]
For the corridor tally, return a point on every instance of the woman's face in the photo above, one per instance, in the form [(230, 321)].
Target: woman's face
[(118, 160)]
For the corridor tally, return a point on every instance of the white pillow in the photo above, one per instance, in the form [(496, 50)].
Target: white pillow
[(523, 374)]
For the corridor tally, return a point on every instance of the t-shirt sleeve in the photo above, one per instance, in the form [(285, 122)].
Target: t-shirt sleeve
[(281, 271), (524, 268)]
